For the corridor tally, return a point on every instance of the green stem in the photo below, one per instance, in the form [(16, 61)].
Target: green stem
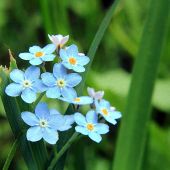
[(11, 154), (62, 151), (38, 100)]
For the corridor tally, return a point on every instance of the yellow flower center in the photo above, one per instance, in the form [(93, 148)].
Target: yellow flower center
[(61, 83), (72, 60), (27, 83), (43, 123), (77, 99), (39, 54), (90, 126), (105, 112)]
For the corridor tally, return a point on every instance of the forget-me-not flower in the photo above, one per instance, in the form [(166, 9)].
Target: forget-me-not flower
[(25, 84), (59, 82), (45, 123), (89, 125), (96, 95), (38, 55), (58, 40), (72, 60), (109, 113)]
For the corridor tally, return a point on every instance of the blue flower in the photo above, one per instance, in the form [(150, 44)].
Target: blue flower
[(72, 60), (59, 82), (38, 55), (109, 113), (89, 126), (25, 84), (45, 123)]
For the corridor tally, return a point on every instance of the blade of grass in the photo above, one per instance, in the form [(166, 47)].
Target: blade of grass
[(132, 135), (91, 53)]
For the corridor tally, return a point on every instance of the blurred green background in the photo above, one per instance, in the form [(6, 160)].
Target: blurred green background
[(23, 24)]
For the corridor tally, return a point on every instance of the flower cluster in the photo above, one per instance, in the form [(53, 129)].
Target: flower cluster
[(59, 84)]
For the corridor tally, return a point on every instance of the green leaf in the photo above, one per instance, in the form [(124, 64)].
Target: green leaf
[(132, 135)]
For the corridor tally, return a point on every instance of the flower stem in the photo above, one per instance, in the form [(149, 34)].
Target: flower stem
[(62, 151), (37, 101), (11, 154)]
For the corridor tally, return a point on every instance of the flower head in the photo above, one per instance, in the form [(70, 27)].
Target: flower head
[(59, 82), (71, 59), (89, 126), (109, 113), (58, 40), (45, 123), (38, 55), (25, 84), (95, 95)]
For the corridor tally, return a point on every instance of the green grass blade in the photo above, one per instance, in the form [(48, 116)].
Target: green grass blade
[(131, 140)]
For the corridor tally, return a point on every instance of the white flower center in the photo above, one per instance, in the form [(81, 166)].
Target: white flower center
[(43, 123), (27, 83), (61, 83)]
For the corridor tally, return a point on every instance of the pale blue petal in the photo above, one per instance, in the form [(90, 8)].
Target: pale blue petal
[(17, 76), (104, 103), (102, 128), (13, 89), (42, 111), (68, 92), (110, 119), (48, 49), (63, 55), (48, 79), (48, 57), (84, 100), (34, 134), (79, 68), (26, 56), (116, 114), (35, 49), (35, 61), (80, 119), (59, 70), (91, 117), (95, 137), (73, 79), (67, 65), (32, 73), (39, 86), (83, 60), (29, 118), (72, 50), (81, 130), (53, 92), (28, 95), (50, 136), (54, 112)]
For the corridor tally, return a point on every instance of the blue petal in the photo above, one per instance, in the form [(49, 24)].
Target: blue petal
[(116, 114), (110, 119), (50, 136), (104, 103), (83, 60), (48, 79), (13, 89), (34, 134), (53, 92), (59, 70), (68, 92), (26, 56), (91, 116), (73, 79), (54, 112), (67, 65), (28, 95), (72, 50), (80, 119), (17, 76), (102, 128), (39, 86), (29, 118), (79, 68), (42, 111), (35, 61), (32, 73), (48, 49), (34, 49), (81, 130), (48, 57), (95, 137), (63, 55), (84, 100)]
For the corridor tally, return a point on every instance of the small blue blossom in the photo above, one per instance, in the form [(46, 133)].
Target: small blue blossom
[(59, 82), (95, 95), (103, 108), (89, 126), (71, 59), (25, 84), (45, 123), (38, 55)]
